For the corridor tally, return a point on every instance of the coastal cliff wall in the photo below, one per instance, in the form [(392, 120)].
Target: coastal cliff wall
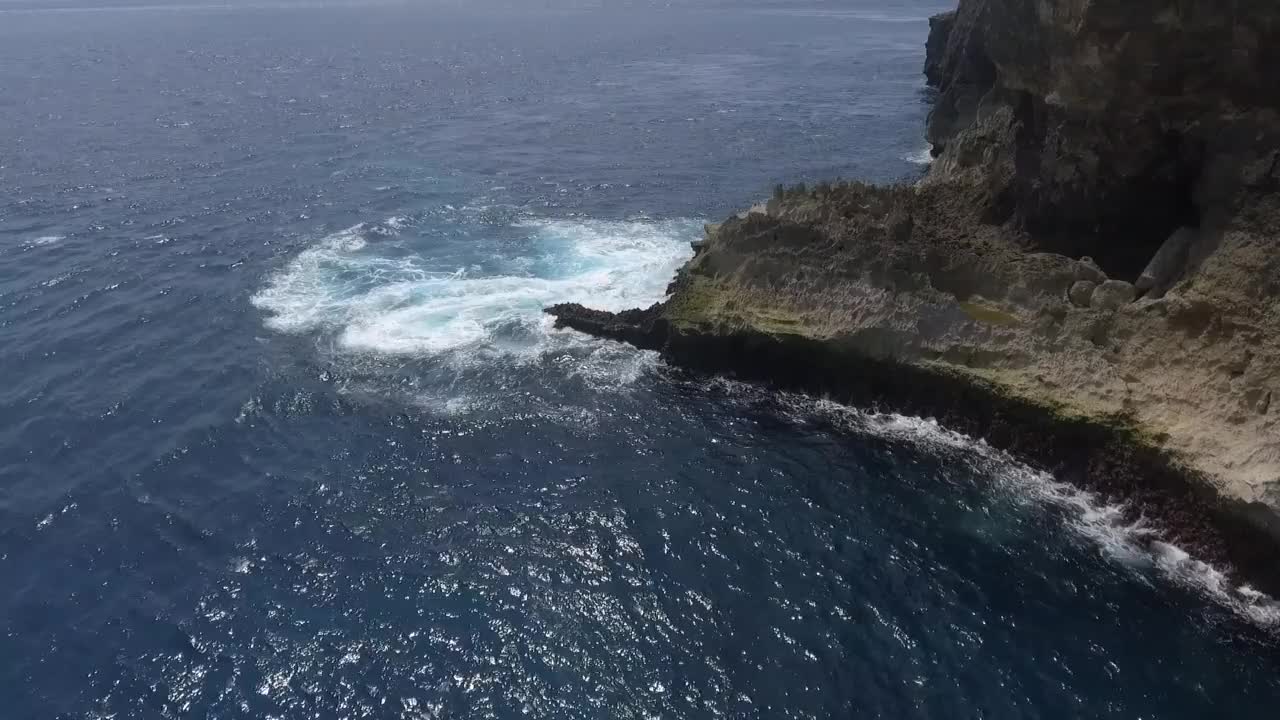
[(1102, 126), (1088, 273)]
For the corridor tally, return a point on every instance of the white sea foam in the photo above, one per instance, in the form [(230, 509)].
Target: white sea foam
[(375, 303), (923, 156), (45, 240), (1137, 544)]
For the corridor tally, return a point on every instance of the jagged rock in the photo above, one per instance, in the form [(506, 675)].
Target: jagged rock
[(642, 328), (1079, 124), (1112, 295), (709, 231), (939, 30), (1081, 293)]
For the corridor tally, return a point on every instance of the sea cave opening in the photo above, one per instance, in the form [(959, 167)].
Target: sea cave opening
[(1123, 224)]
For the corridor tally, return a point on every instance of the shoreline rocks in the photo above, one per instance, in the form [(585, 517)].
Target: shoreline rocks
[(1088, 275)]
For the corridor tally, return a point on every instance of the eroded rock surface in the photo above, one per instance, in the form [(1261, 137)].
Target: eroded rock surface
[(1084, 146)]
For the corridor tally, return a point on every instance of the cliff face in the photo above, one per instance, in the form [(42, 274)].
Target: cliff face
[(1101, 126), (1092, 257)]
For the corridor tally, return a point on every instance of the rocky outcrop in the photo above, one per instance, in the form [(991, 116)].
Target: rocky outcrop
[(936, 48), (1102, 126), (1087, 275)]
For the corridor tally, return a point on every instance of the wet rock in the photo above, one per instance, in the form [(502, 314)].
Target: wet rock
[(1112, 295), (643, 328), (1081, 293)]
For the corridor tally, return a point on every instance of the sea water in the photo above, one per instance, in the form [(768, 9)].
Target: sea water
[(285, 433)]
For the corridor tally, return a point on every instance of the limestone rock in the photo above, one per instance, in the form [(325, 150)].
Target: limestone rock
[(1081, 293), (1112, 295), (1087, 269), (1168, 263)]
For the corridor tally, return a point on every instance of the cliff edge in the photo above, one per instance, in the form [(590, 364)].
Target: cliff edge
[(1088, 274)]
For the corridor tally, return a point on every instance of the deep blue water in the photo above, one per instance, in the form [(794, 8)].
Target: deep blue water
[(284, 435)]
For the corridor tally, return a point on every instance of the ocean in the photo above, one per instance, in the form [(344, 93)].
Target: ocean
[(284, 433)]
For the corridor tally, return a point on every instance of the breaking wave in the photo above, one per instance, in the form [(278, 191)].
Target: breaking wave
[(1140, 546), (44, 240), (923, 156), (369, 288), (1137, 544)]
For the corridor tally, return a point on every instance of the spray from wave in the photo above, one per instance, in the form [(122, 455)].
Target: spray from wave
[(376, 291), (923, 156), (1137, 544)]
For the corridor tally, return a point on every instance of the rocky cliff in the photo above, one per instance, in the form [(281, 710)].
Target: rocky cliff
[(1087, 275)]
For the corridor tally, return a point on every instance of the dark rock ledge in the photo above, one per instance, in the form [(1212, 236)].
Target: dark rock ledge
[(1088, 276)]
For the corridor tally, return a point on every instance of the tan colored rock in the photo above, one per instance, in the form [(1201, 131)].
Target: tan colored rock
[(1112, 295), (1081, 293), (1087, 269)]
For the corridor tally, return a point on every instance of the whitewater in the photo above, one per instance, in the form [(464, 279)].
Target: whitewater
[(406, 304)]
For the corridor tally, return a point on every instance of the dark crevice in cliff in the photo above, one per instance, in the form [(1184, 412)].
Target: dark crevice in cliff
[(1120, 222)]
